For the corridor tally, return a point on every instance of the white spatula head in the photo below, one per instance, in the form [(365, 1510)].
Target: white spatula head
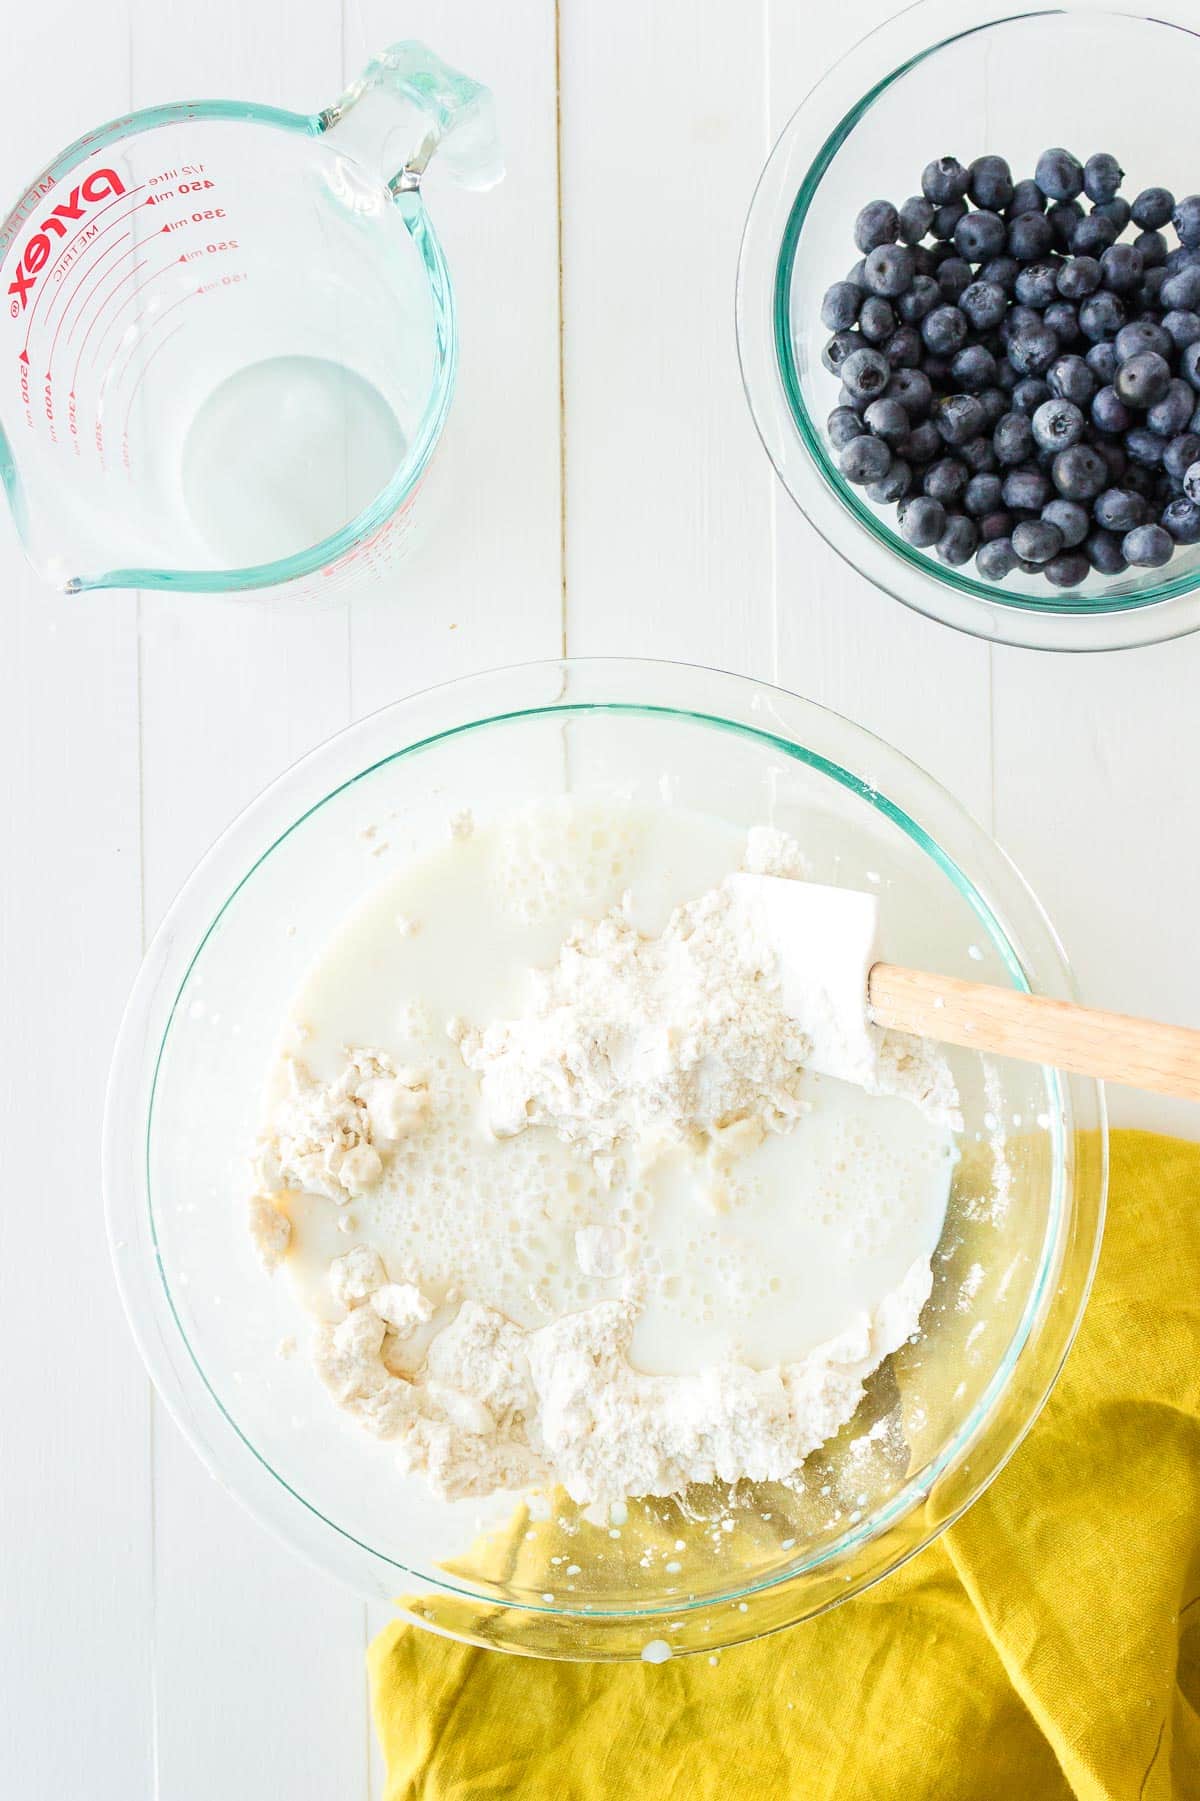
[(825, 941)]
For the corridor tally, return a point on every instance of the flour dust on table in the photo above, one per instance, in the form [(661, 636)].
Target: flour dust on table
[(543, 1158)]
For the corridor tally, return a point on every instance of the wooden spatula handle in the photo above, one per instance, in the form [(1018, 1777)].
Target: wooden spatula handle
[(1110, 1046)]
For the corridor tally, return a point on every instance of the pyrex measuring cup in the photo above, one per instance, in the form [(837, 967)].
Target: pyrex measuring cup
[(230, 334)]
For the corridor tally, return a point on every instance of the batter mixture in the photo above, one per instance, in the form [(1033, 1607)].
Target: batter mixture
[(541, 1155)]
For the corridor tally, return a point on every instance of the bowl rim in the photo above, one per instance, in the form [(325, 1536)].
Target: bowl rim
[(143, 1278), (796, 445)]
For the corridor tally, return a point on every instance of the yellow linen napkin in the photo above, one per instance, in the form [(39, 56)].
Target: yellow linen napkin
[(1047, 1646)]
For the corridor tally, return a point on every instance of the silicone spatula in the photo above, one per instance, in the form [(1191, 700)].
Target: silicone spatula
[(834, 984)]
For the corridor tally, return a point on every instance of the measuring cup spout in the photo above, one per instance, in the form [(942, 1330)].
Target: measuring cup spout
[(406, 104)]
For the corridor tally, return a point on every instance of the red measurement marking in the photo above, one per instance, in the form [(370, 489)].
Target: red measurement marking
[(67, 248), (99, 314), (141, 376), (93, 284), (83, 279)]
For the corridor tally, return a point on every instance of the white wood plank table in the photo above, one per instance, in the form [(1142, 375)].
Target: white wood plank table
[(612, 497)]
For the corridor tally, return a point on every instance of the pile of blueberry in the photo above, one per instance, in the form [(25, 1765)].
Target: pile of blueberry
[(1023, 385)]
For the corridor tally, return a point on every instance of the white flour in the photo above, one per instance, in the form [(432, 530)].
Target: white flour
[(642, 1054)]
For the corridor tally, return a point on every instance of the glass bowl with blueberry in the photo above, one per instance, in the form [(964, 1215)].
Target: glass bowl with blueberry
[(969, 319)]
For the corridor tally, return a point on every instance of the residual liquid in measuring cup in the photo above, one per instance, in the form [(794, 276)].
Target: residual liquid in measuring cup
[(231, 336)]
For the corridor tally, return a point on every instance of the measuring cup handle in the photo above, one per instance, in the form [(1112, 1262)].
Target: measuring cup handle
[(406, 104)]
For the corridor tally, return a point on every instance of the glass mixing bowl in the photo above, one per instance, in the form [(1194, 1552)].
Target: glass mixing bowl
[(948, 78), (534, 1573)]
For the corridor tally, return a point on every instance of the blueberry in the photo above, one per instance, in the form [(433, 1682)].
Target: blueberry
[(1018, 319), (978, 455), (1078, 278), (1102, 360), (973, 368), (841, 345), (846, 398), (1142, 334), (1180, 454), (1059, 175), (1142, 379), (1092, 236), (876, 320), (982, 495), (1102, 176), (839, 309), (1057, 425), (915, 218), (1183, 327), (1191, 482), (1006, 377), (944, 330), (1121, 268), (984, 303), (1030, 235), (1181, 517), (1033, 349), (1116, 209), (958, 542), (1153, 248), (953, 277), (1194, 422), (994, 402), (990, 183), (893, 486), (903, 348), (946, 179), (1064, 216), (1189, 364), (1148, 547), (857, 277), (912, 388), (1079, 473), (1036, 540), (918, 300), (1029, 394), (996, 525), (996, 559), (946, 218), (864, 460), (887, 419), (1063, 320), (1068, 569), (946, 480), (1070, 518), (1152, 208), (1119, 510), (1186, 220), (1109, 412), (937, 368), (922, 521), (842, 425), (980, 235), (1037, 285), (1070, 378), (1002, 270), (1144, 446), (1012, 439), (878, 223), (1181, 291), (865, 373), (1104, 553), (1170, 415), (890, 269), (923, 443), (1026, 489)]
